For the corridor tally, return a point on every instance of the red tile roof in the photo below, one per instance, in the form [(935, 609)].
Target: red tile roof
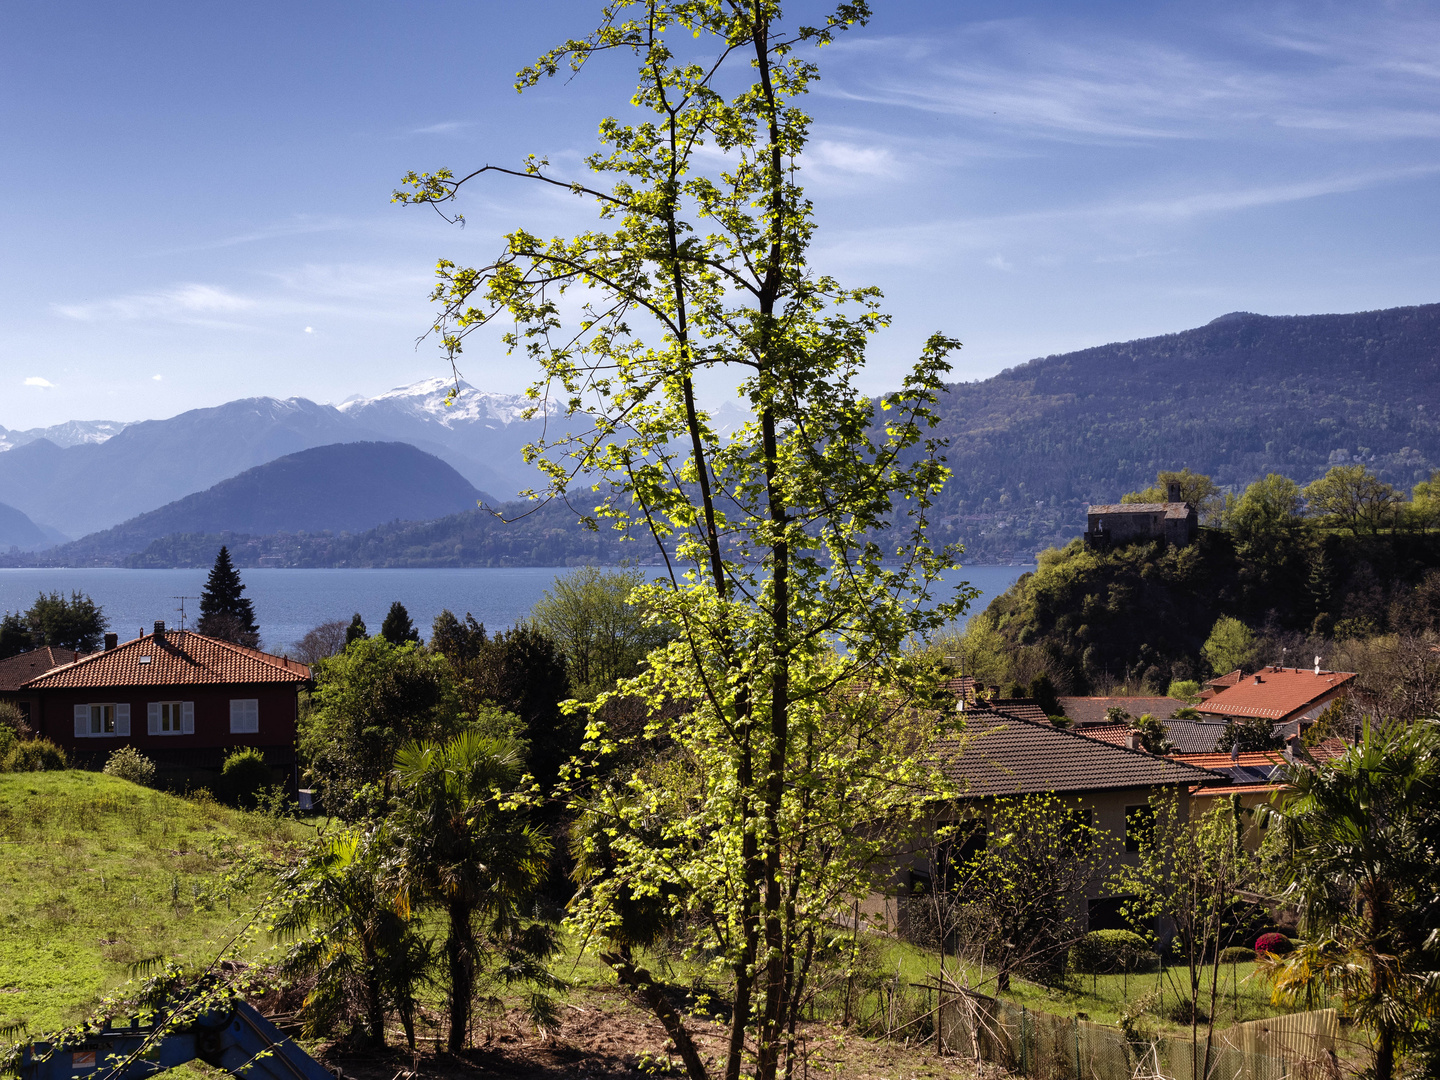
[(1001, 755), (179, 657), (1247, 759), (1114, 734), (23, 667), (1275, 692)]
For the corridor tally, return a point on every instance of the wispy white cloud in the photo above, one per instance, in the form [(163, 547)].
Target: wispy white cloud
[(448, 127), (1105, 225), (1359, 77), (191, 303), (36, 380)]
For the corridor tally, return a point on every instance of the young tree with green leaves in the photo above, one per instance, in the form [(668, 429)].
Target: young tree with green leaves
[(605, 636), (1231, 645), (368, 701), (1195, 875), (1351, 497), (1012, 879), (803, 532), (1197, 489), (225, 611)]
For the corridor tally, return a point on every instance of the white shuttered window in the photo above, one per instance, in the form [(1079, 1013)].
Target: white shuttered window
[(102, 720), (167, 717), (244, 716)]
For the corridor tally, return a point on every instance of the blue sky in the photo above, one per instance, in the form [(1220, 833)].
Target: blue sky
[(194, 197)]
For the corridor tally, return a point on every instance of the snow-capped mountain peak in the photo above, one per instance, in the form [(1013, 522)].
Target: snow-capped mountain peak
[(70, 433), (425, 400)]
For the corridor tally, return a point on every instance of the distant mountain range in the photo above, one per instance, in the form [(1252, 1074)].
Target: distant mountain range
[(1242, 396), (345, 487), (93, 483), (18, 531)]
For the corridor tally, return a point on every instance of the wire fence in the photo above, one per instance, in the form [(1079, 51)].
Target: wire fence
[(1038, 1044)]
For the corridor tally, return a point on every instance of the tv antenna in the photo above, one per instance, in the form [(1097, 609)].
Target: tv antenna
[(181, 608)]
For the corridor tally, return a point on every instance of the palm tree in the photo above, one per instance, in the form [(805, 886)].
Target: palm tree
[(467, 848), (1363, 832), (352, 932)]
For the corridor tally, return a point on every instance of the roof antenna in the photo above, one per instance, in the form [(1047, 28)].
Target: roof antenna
[(181, 608)]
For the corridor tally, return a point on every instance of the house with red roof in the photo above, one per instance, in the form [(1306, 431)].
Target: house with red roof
[(1290, 698), (183, 699), (16, 671)]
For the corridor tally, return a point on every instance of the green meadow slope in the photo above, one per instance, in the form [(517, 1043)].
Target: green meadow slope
[(98, 875)]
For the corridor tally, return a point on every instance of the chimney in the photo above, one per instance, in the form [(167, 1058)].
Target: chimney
[(159, 628), (1132, 740), (1172, 492), (111, 640)]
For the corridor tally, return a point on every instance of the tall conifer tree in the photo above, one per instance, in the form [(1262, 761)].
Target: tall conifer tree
[(397, 627), (225, 612)]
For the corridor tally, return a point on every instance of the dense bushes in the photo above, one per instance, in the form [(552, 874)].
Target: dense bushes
[(129, 764), (1237, 954), (33, 755), (1105, 952), (244, 777)]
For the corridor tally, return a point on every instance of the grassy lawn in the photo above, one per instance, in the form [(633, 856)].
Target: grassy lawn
[(1242, 993), (97, 874)]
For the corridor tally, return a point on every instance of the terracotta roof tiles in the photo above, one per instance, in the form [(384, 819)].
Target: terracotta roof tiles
[(21, 668), (1274, 693), (178, 657)]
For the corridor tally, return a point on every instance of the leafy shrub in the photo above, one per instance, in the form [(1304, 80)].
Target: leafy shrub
[(7, 741), (34, 755), (129, 764), (244, 776), (1237, 954), (1187, 690), (1103, 952), (1278, 944), (13, 721)]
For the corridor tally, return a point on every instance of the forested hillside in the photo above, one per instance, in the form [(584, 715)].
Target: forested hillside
[(1140, 615), (1240, 397)]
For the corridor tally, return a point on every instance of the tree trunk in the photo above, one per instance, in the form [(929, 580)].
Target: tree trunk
[(641, 981), (460, 956)]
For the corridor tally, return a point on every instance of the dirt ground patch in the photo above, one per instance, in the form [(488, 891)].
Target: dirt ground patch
[(602, 1036)]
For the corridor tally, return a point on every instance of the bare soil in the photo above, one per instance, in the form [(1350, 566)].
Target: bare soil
[(602, 1035)]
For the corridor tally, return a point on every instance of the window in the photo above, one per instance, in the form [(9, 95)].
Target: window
[(1139, 826), (102, 720), (244, 716), (172, 718)]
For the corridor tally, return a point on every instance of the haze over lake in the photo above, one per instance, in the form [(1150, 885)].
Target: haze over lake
[(290, 602)]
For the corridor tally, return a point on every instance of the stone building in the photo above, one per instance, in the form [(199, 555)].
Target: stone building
[(1174, 521)]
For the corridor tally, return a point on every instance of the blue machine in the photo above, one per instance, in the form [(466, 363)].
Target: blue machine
[(238, 1040)]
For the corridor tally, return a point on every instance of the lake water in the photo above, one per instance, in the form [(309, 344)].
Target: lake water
[(289, 602)]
